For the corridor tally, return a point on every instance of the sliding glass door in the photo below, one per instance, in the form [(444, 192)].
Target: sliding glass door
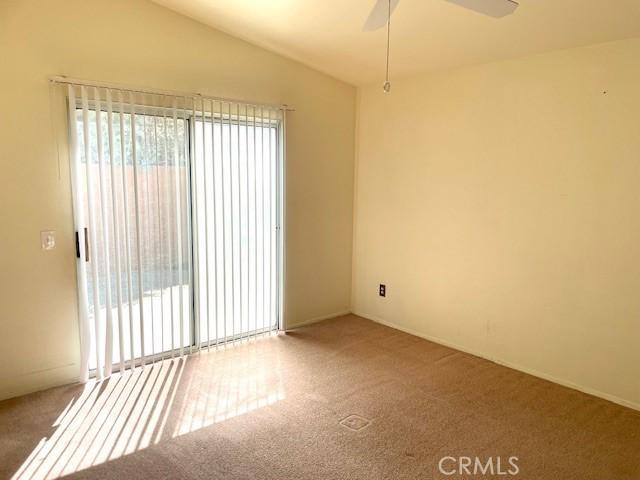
[(236, 214), (177, 207)]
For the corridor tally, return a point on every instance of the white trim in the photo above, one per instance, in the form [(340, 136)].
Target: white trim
[(281, 223), (309, 321), (79, 221), (514, 366), (40, 380)]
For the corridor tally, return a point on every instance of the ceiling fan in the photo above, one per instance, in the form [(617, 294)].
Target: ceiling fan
[(381, 15)]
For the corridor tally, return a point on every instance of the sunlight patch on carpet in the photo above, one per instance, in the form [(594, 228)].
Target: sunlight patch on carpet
[(129, 412)]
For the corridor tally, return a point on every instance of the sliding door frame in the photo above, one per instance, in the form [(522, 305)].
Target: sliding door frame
[(151, 111), (280, 125), (189, 116)]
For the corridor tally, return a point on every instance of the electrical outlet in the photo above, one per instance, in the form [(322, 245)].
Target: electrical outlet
[(382, 291)]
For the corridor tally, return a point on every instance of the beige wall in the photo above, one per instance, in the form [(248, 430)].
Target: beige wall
[(501, 206), (139, 43)]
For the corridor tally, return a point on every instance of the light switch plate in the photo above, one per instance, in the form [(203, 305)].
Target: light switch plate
[(48, 239)]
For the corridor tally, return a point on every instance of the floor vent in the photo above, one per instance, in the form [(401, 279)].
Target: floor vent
[(355, 422)]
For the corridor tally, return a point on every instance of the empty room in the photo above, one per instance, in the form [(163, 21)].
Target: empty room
[(312, 239)]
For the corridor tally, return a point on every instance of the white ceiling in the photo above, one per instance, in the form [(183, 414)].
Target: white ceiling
[(426, 35)]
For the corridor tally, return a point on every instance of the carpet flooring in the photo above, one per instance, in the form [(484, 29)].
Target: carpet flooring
[(342, 399)]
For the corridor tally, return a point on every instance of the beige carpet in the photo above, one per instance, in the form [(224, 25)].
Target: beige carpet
[(271, 409)]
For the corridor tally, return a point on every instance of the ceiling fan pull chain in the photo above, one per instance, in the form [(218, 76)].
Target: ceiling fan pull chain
[(387, 85)]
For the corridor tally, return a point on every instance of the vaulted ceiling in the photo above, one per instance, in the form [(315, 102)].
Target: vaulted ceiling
[(426, 35)]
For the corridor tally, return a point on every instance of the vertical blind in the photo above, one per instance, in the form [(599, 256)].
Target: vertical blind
[(177, 208), (235, 221)]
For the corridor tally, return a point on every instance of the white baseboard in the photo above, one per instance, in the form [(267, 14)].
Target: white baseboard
[(38, 380), (514, 366), (318, 319)]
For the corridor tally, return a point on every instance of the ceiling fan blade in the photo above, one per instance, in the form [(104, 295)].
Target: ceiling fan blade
[(379, 15), (493, 8)]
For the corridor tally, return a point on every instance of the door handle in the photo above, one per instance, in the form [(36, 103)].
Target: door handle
[(86, 245)]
